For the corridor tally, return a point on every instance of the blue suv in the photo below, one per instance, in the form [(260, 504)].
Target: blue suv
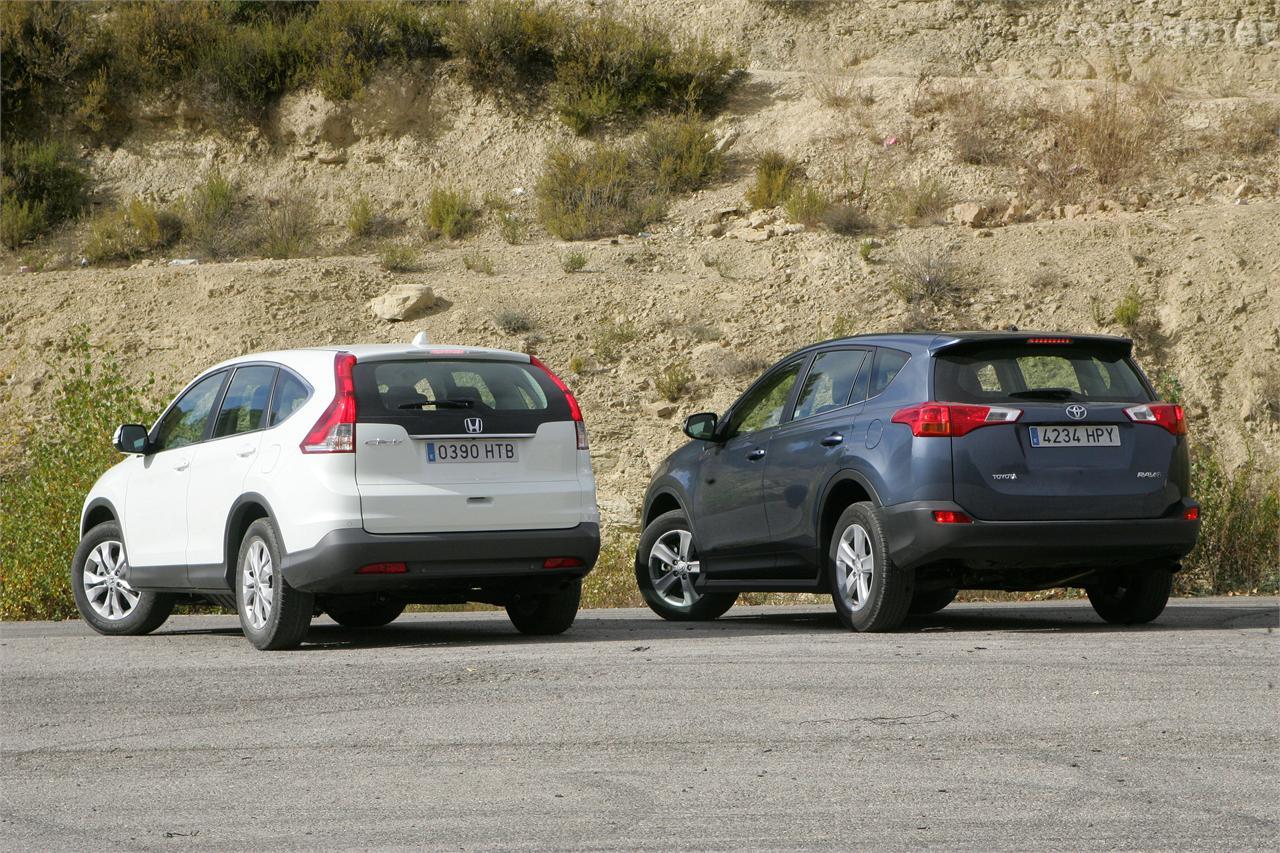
[(894, 470)]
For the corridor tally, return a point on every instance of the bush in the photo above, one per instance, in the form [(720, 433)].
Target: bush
[(846, 219), (450, 213), (41, 186), (513, 228), (208, 215), (573, 262), (917, 201), (807, 204), (39, 528), (597, 192), (360, 217), (613, 338), (1128, 312), (48, 48), (925, 278), (22, 221), (506, 46), (128, 232), (674, 381), (396, 258), (775, 173), (285, 228), (513, 321), (679, 152), (344, 43), (1239, 546), (1116, 137), (1252, 131), (478, 262)]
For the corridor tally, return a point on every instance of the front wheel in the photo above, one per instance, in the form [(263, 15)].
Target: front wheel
[(1132, 598), (100, 585), (870, 592), (667, 565), (547, 613), (273, 614)]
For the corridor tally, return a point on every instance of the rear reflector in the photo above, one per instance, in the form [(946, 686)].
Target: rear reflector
[(383, 569), (1049, 340), (952, 419), (561, 563), (1191, 513), (950, 516), (335, 431), (1166, 415)]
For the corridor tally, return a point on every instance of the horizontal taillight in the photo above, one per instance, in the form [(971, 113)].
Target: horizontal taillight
[(561, 563), (575, 411), (335, 431), (952, 419), (1167, 415), (950, 516), (383, 569)]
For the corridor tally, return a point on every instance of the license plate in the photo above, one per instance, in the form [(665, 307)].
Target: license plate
[(471, 451), (1075, 436)]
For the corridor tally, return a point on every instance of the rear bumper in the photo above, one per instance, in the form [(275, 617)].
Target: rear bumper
[(435, 560), (915, 539)]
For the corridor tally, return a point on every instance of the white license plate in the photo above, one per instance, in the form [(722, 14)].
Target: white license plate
[(1075, 436), (471, 451)]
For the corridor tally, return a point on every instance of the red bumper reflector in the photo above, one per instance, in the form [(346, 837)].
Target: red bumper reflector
[(383, 569), (561, 563), (1191, 513), (950, 516)]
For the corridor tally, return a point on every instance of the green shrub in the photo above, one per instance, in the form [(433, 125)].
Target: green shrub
[(1239, 546), (573, 262), (208, 215), (360, 218), (506, 46), (674, 381), (286, 228), (156, 44), (48, 48), (250, 67), (22, 221), (344, 43), (396, 258), (39, 528), (846, 219), (128, 232), (478, 262), (450, 213), (1128, 312), (807, 204), (917, 201), (41, 186), (513, 228), (514, 321), (596, 192), (679, 152), (774, 175), (612, 340)]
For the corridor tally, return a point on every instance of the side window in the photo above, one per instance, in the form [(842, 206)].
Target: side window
[(291, 393), (860, 384), (763, 408), (244, 406), (186, 420), (829, 382), (888, 363)]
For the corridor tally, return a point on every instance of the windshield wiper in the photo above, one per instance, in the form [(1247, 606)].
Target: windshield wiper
[(439, 404), (1044, 394)]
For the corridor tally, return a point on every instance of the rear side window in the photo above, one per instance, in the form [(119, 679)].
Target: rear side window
[(291, 393), (829, 382), (887, 364), (244, 406), (1005, 372)]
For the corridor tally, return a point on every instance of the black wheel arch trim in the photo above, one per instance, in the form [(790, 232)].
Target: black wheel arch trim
[(657, 494), (90, 511), (234, 517)]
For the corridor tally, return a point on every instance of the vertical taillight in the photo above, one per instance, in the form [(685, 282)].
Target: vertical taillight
[(1167, 415), (952, 420), (335, 431), (575, 411)]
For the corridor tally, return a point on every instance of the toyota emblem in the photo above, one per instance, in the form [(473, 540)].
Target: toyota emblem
[(477, 425), (1077, 412)]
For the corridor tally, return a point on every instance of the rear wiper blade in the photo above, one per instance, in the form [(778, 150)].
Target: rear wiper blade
[(439, 404), (1044, 394)]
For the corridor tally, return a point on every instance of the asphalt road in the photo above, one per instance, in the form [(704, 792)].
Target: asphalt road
[(988, 726)]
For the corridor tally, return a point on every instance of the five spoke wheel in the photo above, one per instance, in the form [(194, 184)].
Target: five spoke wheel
[(855, 563), (108, 593), (672, 562)]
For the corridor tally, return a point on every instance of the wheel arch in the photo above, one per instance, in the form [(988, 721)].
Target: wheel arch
[(842, 491), (98, 511), (247, 509), (662, 501)]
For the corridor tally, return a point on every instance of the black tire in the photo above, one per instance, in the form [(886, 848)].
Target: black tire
[(548, 613), (151, 608), (363, 611), (695, 606), (889, 591), (924, 603), (1131, 598), (289, 614)]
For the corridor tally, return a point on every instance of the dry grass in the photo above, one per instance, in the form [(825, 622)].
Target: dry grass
[(674, 381), (918, 200), (774, 175)]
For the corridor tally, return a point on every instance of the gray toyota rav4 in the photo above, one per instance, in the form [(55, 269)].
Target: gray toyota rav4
[(894, 470)]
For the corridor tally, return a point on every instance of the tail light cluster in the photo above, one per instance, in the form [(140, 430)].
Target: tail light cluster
[(575, 411), (951, 420), (335, 431), (1166, 415)]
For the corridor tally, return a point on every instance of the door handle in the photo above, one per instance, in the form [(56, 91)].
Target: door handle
[(182, 466), (758, 453), (832, 440), (246, 451)]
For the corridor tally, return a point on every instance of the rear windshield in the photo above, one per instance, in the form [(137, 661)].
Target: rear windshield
[(438, 396), (1009, 372)]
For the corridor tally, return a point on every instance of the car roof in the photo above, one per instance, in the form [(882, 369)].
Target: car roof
[(934, 342), (381, 352)]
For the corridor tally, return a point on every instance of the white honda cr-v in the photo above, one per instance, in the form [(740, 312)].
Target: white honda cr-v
[(349, 480)]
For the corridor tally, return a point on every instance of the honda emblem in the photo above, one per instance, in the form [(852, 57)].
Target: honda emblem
[(474, 425)]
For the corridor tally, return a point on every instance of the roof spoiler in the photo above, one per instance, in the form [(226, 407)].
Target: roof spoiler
[(1048, 340)]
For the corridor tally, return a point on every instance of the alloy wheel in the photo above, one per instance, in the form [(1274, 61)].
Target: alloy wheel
[(855, 564), (108, 593), (257, 584), (672, 563)]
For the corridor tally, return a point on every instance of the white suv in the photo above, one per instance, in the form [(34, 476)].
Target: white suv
[(350, 480)]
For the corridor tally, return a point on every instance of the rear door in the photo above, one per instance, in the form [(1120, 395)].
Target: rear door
[(1073, 453), (465, 444)]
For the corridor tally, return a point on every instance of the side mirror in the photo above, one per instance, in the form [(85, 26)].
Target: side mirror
[(701, 426), (131, 438)]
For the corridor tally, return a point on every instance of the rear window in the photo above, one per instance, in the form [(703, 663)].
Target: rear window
[(1033, 372), (438, 396)]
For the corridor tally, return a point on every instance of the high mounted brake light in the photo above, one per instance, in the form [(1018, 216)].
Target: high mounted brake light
[(952, 420), (335, 431), (1167, 415), (575, 411), (1050, 341)]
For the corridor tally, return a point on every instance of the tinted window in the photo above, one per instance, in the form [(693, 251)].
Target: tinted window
[(887, 364), (291, 393), (244, 406), (860, 384), (762, 408), (829, 382), (1029, 372), (186, 420)]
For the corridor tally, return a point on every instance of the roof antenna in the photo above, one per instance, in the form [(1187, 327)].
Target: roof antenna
[(420, 339)]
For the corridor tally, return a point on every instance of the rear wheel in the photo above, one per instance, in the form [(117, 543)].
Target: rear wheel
[(870, 592), (924, 603), (667, 565), (273, 614), (1131, 598), (104, 597), (547, 613), (363, 611)]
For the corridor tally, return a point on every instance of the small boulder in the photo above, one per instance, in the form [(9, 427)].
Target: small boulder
[(402, 302), (969, 213)]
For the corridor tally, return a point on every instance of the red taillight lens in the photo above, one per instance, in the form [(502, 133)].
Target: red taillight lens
[(575, 411), (952, 419), (561, 563), (1166, 415), (335, 431), (1191, 513), (950, 516), (383, 569)]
